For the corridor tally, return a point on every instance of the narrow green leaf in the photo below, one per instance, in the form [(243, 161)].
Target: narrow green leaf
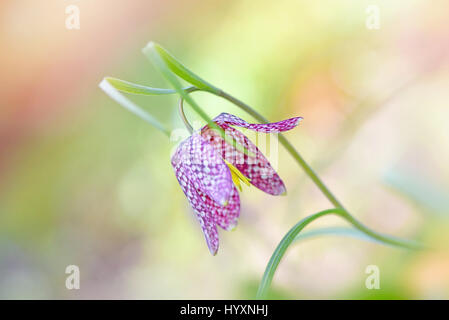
[(133, 88), (335, 231), (282, 248), (154, 56), (181, 71), (292, 235), (112, 92)]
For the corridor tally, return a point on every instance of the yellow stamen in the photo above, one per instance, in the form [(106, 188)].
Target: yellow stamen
[(236, 180), (237, 176)]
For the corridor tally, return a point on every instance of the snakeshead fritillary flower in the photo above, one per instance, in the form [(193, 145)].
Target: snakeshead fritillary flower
[(209, 169)]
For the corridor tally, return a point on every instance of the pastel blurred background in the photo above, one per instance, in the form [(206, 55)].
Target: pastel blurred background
[(84, 182)]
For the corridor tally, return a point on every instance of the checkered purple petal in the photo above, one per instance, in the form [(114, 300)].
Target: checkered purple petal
[(284, 125), (258, 169), (208, 225), (224, 216), (208, 212), (210, 174)]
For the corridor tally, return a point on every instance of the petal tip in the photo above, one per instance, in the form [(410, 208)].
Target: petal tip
[(297, 121), (212, 246), (232, 227)]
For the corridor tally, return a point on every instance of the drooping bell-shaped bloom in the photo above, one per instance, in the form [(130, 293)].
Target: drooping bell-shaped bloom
[(208, 168)]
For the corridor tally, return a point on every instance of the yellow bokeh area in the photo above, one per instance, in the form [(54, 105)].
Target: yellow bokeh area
[(84, 182)]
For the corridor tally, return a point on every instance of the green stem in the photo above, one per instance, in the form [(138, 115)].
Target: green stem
[(407, 244), (293, 152), (282, 248), (291, 235), (183, 116), (169, 66), (320, 184), (182, 113)]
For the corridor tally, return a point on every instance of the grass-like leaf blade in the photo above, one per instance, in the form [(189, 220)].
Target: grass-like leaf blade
[(115, 94), (153, 54), (180, 70), (134, 88)]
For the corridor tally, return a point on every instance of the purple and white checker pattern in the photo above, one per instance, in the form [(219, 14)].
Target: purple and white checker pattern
[(206, 180), (281, 126), (256, 168)]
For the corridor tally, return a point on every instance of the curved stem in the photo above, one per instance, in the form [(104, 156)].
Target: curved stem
[(293, 152), (282, 248), (183, 116), (320, 184), (291, 235), (169, 66), (310, 172), (293, 232), (407, 244), (181, 110)]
